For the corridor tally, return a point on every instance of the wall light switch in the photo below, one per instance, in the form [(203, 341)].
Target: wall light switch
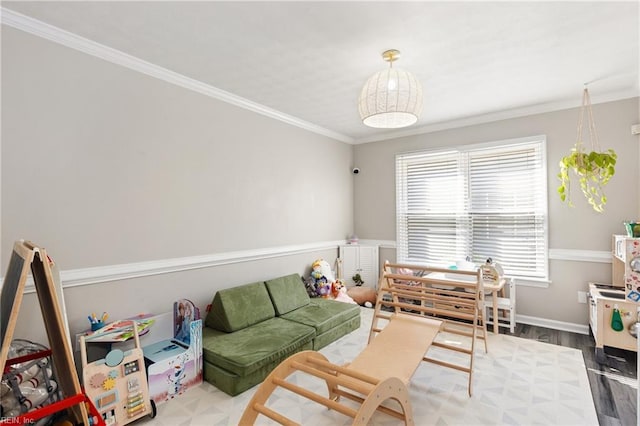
[(582, 297)]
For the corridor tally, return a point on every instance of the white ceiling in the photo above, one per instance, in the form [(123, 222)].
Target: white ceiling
[(477, 61)]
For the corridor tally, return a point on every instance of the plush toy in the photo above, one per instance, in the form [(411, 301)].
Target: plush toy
[(336, 287), (323, 278), (339, 292), (404, 271), (365, 296), (321, 268), (310, 285), (323, 287)]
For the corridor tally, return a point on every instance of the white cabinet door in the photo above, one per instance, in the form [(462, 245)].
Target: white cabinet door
[(349, 257), (360, 259), (368, 263)]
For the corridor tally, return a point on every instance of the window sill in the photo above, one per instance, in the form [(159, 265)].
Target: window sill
[(532, 282)]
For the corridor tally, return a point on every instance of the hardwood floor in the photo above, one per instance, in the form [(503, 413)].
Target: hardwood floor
[(614, 386)]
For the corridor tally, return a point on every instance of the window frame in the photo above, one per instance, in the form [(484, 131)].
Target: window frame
[(466, 148)]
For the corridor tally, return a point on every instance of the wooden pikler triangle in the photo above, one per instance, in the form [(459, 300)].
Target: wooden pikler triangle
[(27, 257)]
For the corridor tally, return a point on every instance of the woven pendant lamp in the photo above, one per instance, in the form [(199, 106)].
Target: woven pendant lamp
[(392, 98)]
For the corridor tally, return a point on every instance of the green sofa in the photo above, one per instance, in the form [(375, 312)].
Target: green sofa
[(252, 328)]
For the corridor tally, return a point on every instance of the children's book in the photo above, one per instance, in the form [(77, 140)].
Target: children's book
[(121, 331)]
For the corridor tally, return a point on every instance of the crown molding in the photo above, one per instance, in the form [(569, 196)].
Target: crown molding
[(76, 42), (498, 116)]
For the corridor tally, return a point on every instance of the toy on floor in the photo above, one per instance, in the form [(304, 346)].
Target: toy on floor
[(322, 283), (364, 296), (339, 292), (117, 384), (321, 279)]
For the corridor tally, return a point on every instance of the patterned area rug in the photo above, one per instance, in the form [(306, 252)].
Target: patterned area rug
[(519, 382)]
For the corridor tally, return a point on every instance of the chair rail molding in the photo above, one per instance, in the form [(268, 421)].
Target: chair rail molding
[(553, 253), (103, 274), (580, 255)]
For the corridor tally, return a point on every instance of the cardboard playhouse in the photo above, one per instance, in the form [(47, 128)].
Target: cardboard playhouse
[(175, 365)]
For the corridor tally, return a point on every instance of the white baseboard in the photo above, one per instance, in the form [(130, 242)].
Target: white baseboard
[(553, 324)]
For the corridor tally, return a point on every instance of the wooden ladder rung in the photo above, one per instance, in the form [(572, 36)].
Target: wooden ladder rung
[(458, 331), (359, 400), (452, 347), (274, 415), (385, 317), (329, 403), (363, 383), (447, 364), (460, 305)]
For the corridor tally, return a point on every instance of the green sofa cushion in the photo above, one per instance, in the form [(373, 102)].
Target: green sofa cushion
[(248, 350), (287, 293), (323, 314), (322, 340), (232, 384), (236, 308)]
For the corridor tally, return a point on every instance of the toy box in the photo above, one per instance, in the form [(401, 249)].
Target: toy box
[(175, 365)]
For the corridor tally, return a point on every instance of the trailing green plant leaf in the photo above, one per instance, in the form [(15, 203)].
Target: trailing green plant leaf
[(594, 170)]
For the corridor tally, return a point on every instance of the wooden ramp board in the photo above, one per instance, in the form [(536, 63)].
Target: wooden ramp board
[(378, 374), (399, 349), (25, 256)]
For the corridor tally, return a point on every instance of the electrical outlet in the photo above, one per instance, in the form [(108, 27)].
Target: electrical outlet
[(582, 297)]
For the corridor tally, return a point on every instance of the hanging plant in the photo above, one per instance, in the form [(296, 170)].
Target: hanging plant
[(593, 169)]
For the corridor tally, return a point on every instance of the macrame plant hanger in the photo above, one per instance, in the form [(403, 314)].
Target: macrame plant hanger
[(593, 168), (593, 134)]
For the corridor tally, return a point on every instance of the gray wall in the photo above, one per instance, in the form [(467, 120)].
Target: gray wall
[(569, 228), (104, 166)]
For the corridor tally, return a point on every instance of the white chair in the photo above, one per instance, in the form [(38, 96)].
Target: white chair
[(506, 303)]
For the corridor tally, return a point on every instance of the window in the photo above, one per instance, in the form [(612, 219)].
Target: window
[(481, 201)]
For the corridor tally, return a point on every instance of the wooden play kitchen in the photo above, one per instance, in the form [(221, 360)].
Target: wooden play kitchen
[(614, 309)]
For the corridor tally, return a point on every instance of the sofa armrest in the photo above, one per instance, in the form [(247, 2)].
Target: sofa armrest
[(236, 308)]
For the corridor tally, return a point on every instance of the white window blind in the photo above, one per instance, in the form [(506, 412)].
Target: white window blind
[(485, 201)]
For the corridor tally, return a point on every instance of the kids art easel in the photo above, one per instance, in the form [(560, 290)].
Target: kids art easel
[(26, 257)]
